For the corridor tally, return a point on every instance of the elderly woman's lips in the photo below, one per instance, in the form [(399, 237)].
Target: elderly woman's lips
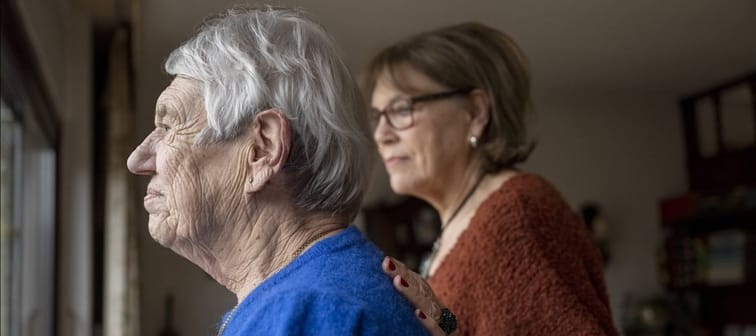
[(152, 193), (153, 201)]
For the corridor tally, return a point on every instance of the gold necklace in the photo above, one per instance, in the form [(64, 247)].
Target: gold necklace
[(307, 243), (294, 255)]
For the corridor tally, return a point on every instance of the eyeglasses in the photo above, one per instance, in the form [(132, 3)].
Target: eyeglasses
[(399, 111)]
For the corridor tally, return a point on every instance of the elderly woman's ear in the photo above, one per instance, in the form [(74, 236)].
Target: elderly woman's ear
[(270, 143)]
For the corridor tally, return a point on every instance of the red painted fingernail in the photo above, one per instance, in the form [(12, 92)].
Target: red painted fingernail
[(421, 315), (404, 283), (391, 266)]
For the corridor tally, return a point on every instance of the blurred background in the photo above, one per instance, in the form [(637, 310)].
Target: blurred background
[(646, 120)]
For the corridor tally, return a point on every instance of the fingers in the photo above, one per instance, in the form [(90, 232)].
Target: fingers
[(393, 267), (388, 267), (430, 325), (413, 287)]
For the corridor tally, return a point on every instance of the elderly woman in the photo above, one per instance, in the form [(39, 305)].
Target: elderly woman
[(257, 165), (449, 116)]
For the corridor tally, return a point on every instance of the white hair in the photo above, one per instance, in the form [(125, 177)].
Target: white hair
[(253, 59)]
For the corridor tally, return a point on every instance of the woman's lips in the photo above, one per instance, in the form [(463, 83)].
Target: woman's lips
[(153, 201), (393, 161), (151, 193)]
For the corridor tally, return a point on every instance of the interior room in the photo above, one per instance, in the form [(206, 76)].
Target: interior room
[(644, 116)]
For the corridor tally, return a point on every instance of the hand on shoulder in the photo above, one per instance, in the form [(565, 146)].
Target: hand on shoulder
[(428, 308)]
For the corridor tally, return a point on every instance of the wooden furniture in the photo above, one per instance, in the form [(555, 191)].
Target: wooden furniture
[(405, 230), (727, 167), (709, 251)]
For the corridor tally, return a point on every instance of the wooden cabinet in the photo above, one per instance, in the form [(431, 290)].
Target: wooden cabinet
[(405, 230), (709, 249)]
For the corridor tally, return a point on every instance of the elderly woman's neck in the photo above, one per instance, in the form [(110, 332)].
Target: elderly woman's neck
[(272, 239)]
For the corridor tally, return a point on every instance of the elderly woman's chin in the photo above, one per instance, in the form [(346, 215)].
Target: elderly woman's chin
[(162, 229)]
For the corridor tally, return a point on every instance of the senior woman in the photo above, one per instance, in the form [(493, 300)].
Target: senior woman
[(257, 166), (449, 111)]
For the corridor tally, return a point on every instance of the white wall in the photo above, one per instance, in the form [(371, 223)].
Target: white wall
[(61, 37), (625, 152)]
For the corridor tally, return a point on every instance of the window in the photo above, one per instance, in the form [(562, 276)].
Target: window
[(29, 138), (28, 226), (8, 150)]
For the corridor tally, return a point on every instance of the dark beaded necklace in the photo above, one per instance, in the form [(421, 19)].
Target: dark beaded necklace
[(425, 265)]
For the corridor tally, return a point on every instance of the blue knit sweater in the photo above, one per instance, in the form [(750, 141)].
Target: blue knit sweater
[(335, 288)]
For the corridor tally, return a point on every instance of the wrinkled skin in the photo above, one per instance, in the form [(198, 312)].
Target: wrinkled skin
[(193, 188), (223, 205)]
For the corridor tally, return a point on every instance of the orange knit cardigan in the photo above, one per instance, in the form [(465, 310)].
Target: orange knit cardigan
[(525, 265)]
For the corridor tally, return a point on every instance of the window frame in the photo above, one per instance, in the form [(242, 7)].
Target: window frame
[(26, 94)]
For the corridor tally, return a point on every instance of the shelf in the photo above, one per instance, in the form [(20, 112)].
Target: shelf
[(734, 288), (714, 221)]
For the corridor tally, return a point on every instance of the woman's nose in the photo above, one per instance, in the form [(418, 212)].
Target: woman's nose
[(142, 159), (383, 132)]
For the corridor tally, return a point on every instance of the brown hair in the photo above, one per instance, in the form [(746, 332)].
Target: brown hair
[(470, 55)]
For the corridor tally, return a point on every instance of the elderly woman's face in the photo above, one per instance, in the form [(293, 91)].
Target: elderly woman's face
[(191, 185), (420, 159)]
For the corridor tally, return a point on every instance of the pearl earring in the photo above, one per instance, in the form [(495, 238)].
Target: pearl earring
[(474, 141), (251, 179)]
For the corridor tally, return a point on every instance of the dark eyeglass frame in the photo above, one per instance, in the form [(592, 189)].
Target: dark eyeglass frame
[(376, 117)]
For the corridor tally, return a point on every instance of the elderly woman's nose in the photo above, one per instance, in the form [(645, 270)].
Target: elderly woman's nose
[(142, 159)]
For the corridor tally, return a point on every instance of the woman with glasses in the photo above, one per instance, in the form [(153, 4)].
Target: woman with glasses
[(448, 113)]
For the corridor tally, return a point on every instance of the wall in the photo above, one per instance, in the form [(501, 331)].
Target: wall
[(625, 152), (61, 39)]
